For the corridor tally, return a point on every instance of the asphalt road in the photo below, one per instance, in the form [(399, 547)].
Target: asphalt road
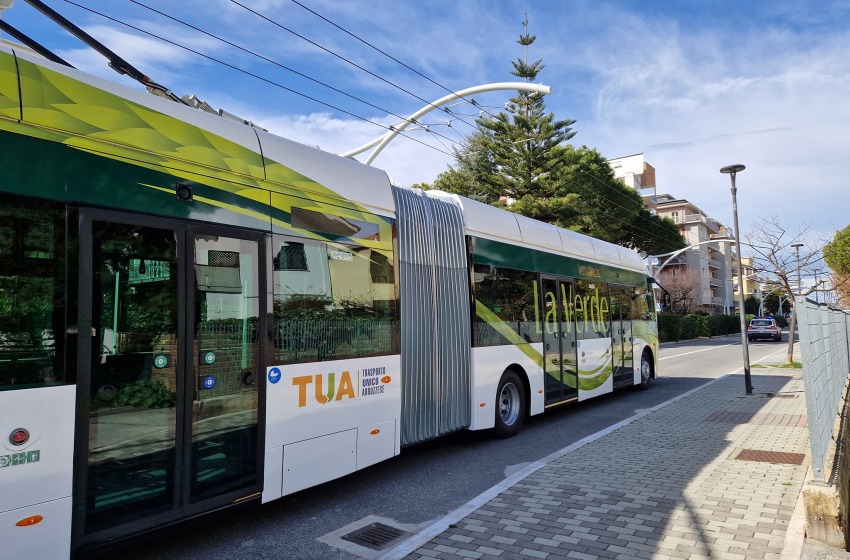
[(429, 480)]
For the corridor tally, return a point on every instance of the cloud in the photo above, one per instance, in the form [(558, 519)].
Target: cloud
[(405, 161)]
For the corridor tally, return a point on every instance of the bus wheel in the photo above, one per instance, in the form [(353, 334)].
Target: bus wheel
[(510, 405), (645, 371)]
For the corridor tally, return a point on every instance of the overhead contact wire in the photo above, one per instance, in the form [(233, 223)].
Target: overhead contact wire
[(253, 75)]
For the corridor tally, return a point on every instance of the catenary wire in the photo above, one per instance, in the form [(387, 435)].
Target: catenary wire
[(628, 211), (391, 57), (271, 61), (339, 56), (253, 75)]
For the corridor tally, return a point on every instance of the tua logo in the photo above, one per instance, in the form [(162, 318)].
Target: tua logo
[(325, 387)]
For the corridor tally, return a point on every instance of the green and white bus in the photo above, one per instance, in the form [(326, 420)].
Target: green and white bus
[(195, 313)]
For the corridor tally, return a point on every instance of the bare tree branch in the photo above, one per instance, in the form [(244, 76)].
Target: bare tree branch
[(787, 258)]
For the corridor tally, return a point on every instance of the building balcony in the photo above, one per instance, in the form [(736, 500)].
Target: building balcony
[(710, 223), (679, 259), (716, 282), (714, 263)]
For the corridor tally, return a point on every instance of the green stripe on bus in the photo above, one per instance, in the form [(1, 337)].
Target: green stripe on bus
[(493, 320)]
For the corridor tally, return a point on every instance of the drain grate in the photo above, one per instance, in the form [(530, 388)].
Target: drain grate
[(771, 456), (376, 536)]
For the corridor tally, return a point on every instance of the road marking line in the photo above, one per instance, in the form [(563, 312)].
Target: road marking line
[(714, 348), (695, 351)]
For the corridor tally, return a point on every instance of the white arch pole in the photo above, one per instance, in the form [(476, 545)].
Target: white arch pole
[(381, 141)]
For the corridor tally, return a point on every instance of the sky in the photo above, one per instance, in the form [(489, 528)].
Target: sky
[(693, 85)]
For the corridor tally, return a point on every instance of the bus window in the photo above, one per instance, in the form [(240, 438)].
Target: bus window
[(641, 308), (332, 301), (592, 310), (509, 297), (34, 258)]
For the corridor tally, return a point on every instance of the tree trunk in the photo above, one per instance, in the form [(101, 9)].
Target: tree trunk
[(792, 326)]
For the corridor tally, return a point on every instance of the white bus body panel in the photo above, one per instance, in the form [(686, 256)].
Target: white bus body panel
[(50, 539), (539, 234), (489, 221), (577, 244), (328, 419), (36, 478), (488, 365), (594, 357)]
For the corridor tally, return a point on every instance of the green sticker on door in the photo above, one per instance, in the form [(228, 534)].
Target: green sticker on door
[(161, 361), (208, 358)]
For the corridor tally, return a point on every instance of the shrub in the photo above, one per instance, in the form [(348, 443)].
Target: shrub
[(688, 327), (701, 327), (718, 325), (669, 327), (145, 394), (672, 328)]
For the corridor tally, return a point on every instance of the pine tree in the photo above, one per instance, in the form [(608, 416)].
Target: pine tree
[(519, 158), (521, 141)]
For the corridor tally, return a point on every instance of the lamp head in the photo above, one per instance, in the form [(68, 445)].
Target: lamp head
[(732, 168)]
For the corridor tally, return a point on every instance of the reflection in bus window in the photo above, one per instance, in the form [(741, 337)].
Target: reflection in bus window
[(340, 304), (592, 309), (510, 296), (34, 257)]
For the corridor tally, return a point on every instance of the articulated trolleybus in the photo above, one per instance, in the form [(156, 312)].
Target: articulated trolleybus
[(195, 313)]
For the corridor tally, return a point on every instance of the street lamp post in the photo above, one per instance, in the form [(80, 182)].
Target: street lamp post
[(732, 170), (799, 279), (817, 295)]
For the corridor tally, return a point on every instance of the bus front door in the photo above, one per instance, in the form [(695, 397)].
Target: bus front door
[(559, 341), (168, 384)]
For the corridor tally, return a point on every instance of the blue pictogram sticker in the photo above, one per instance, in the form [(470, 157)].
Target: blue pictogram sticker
[(209, 382), (274, 375)]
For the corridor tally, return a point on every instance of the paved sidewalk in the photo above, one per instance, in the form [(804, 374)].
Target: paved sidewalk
[(712, 474)]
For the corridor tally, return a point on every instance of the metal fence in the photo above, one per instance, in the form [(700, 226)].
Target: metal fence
[(825, 348)]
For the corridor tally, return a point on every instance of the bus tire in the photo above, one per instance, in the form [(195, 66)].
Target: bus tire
[(645, 371), (510, 405)]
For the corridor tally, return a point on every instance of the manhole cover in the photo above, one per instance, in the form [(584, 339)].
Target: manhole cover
[(376, 536), (771, 456)]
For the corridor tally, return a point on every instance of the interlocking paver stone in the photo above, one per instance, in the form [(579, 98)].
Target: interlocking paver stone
[(666, 485)]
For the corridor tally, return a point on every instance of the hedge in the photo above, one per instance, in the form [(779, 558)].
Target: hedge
[(673, 327)]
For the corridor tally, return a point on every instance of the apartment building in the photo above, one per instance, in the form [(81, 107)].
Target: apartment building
[(710, 261)]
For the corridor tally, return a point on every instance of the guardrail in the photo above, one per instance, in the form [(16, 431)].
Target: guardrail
[(825, 349)]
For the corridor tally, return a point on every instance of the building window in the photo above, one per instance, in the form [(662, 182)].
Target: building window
[(224, 259), (291, 257)]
